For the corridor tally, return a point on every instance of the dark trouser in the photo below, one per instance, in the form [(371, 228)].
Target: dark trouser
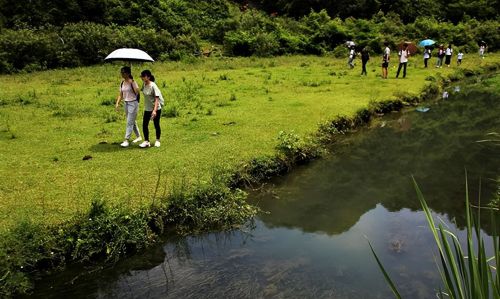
[(447, 61), (363, 71), (156, 122), (425, 61), (404, 69)]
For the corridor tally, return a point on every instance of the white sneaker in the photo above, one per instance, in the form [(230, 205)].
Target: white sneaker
[(125, 143), (145, 144), (157, 143), (137, 139)]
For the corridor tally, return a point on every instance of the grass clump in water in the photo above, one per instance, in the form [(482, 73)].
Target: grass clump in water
[(466, 273)]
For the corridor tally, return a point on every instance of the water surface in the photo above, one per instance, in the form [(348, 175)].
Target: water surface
[(310, 239)]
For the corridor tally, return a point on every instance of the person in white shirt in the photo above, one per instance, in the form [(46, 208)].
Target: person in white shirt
[(427, 55), (352, 55), (448, 52), (482, 48), (403, 60), (460, 56), (153, 102), (385, 60)]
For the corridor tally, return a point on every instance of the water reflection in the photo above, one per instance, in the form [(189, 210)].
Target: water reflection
[(331, 196)]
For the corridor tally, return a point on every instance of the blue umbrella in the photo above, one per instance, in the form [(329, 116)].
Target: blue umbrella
[(426, 42)]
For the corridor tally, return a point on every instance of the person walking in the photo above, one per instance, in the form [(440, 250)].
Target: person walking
[(403, 60), (365, 56), (427, 55), (448, 54), (352, 55), (482, 49), (460, 56), (153, 102), (129, 93), (385, 60), (440, 56)]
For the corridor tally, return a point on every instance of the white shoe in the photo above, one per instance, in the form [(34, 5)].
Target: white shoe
[(137, 139), (157, 143), (125, 143), (145, 144)]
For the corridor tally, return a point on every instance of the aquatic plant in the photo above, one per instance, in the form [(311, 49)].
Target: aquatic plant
[(465, 273)]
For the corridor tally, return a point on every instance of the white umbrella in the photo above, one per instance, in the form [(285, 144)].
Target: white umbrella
[(128, 54), (350, 43)]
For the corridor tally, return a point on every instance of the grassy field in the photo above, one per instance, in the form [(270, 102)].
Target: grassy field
[(222, 112)]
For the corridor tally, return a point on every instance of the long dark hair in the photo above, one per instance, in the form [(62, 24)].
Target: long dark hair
[(127, 70), (147, 73)]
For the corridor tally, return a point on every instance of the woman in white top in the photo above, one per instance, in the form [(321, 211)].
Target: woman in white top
[(129, 92), (153, 102), (448, 53), (352, 55), (403, 60), (427, 55)]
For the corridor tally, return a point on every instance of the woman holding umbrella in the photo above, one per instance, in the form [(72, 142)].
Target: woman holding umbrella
[(129, 92)]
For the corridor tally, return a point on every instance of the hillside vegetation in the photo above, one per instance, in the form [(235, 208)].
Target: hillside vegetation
[(39, 35)]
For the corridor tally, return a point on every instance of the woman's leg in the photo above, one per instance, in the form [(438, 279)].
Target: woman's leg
[(156, 122), (399, 69), (131, 109), (145, 124)]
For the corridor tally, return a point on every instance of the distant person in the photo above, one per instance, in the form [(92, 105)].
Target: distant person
[(448, 53), (365, 56), (129, 91), (386, 57), (153, 102), (440, 56), (460, 56), (427, 55), (403, 59), (482, 49), (352, 55)]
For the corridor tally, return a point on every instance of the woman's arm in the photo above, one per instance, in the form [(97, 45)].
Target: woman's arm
[(157, 101), (135, 86), (118, 99)]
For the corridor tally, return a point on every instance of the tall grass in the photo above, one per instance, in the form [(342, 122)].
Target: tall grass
[(466, 273)]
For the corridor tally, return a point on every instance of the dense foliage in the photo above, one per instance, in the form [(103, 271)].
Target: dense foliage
[(39, 34), (452, 10)]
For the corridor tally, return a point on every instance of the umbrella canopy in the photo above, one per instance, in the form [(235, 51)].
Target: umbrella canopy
[(411, 47), (350, 43), (426, 42), (128, 54)]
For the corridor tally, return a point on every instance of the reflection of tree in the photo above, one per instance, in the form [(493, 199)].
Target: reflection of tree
[(435, 147)]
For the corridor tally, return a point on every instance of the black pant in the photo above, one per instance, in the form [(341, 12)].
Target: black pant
[(156, 122), (425, 61), (363, 70), (404, 69)]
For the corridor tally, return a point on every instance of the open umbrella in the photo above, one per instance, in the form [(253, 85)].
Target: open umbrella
[(128, 54), (350, 43), (411, 47), (426, 42)]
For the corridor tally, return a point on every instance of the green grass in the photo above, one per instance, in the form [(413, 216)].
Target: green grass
[(223, 112)]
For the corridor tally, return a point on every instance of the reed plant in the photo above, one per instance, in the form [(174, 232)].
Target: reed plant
[(466, 273)]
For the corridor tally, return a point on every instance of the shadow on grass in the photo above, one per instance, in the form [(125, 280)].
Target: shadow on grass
[(104, 147)]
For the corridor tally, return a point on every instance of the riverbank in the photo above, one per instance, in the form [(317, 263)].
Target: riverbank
[(186, 181)]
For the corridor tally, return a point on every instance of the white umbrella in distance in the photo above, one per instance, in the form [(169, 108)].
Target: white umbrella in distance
[(128, 54)]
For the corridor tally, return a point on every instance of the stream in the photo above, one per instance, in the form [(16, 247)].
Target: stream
[(310, 240)]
